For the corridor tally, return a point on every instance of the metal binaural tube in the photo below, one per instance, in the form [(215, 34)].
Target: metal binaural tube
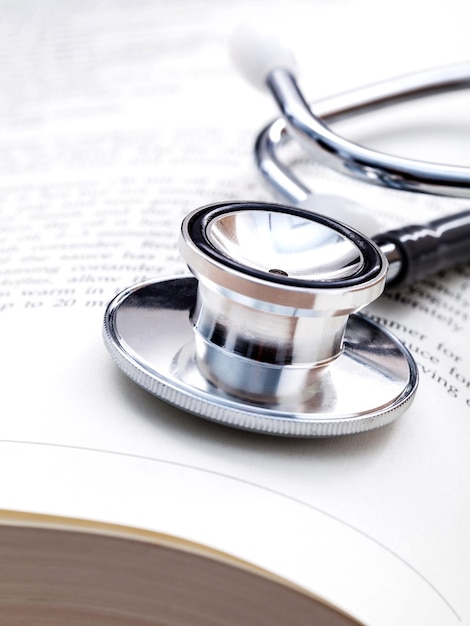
[(412, 251), (363, 163)]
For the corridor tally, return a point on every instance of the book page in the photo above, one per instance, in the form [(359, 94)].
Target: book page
[(117, 120)]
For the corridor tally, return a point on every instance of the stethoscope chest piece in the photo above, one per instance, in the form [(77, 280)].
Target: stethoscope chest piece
[(265, 337)]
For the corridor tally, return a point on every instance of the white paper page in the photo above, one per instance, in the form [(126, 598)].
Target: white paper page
[(117, 121)]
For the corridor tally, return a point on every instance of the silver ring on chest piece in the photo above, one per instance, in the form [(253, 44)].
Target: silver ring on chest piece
[(265, 336)]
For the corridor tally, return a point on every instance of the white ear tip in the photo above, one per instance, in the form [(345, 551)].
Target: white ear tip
[(256, 53)]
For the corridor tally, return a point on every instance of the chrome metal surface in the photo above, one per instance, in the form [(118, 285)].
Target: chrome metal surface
[(268, 144), (286, 244), (149, 333), (283, 179), (276, 288), (392, 254), (240, 266), (309, 126)]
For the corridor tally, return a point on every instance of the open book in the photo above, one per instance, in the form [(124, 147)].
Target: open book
[(116, 120)]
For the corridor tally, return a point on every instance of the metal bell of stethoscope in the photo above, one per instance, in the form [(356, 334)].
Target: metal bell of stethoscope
[(265, 336)]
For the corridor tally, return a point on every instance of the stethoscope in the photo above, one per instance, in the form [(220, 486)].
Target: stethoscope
[(266, 335)]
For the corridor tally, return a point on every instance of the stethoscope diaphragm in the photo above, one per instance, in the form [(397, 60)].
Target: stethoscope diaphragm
[(265, 337)]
